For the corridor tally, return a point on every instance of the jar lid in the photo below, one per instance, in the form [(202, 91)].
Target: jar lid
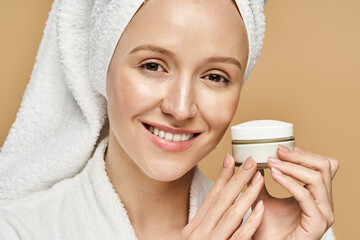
[(261, 129)]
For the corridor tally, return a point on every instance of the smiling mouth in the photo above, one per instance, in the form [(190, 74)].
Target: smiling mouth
[(174, 137)]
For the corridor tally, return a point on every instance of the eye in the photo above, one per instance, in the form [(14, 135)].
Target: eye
[(218, 79), (151, 66)]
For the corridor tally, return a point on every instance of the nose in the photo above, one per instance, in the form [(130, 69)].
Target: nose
[(179, 100)]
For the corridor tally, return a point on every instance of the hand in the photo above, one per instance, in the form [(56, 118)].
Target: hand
[(220, 216), (310, 212)]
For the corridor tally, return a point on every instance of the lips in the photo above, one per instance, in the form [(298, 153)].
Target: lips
[(170, 139)]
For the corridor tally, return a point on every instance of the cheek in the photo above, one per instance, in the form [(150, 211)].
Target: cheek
[(131, 95), (223, 107)]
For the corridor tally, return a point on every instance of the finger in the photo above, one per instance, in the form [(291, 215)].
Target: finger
[(333, 162), (226, 197), (225, 174), (300, 149), (334, 166), (301, 194), (309, 160), (264, 193), (232, 218), (314, 183), (326, 165), (247, 230)]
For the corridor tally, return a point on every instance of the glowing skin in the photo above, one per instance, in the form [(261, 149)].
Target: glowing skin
[(177, 94), (175, 88)]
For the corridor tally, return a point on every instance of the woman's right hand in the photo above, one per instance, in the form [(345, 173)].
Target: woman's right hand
[(220, 216)]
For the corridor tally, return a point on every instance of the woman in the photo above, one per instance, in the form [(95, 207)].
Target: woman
[(172, 88)]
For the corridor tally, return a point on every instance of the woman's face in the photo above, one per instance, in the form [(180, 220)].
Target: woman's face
[(176, 72)]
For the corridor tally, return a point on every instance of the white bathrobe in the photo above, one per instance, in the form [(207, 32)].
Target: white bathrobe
[(83, 207)]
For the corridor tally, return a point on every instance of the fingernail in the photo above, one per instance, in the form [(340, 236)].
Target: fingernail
[(284, 148), (273, 160), (248, 163), (256, 178), (299, 149), (276, 171), (259, 206), (226, 160)]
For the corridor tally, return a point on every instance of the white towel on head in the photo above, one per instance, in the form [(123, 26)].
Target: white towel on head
[(63, 109)]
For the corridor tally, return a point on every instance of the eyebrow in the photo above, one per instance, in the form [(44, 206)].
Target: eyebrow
[(169, 53)]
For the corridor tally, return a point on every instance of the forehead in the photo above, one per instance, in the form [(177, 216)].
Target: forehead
[(188, 25)]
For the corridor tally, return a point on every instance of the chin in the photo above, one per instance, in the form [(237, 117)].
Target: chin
[(166, 172)]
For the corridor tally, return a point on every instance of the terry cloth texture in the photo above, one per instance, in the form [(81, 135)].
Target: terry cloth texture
[(85, 207), (63, 109)]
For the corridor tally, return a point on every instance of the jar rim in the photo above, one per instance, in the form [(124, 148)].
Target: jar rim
[(263, 140)]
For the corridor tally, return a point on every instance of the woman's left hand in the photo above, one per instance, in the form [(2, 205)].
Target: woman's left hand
[(310, 211)]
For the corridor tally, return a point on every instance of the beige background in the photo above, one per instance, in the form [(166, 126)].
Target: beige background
[(307, 75)]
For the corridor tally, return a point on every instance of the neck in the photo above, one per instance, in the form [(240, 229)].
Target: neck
[(154, 207)]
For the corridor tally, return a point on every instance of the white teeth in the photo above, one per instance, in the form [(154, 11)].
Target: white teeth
[(170, 136), (184, 137), (156, 131), (177, 137)]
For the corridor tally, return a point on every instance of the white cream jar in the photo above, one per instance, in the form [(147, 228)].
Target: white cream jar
[(260, 139)]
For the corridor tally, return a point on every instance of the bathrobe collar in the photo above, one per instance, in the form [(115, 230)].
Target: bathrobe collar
[(110, 203)]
